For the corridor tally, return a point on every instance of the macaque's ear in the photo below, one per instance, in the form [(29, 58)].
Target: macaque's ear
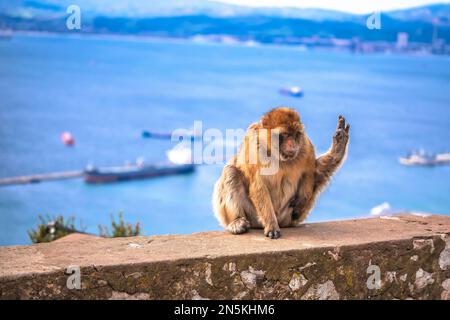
[(263, 121), (255, 126), (271, 118)]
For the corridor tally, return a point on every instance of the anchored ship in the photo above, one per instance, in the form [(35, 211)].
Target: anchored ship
[(421, 158), (166, 135), (134, 171)]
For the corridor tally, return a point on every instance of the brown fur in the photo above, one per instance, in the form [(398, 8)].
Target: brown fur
[(244, 198)]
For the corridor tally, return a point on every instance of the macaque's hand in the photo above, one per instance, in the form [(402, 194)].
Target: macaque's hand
[(340, 138)]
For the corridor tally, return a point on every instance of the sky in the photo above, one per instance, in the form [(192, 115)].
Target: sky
[(354, 6)]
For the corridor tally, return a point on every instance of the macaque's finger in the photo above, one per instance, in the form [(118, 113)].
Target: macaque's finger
[(341, 123), (347, 128)]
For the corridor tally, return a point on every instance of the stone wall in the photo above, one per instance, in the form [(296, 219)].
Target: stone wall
[(332, 260)]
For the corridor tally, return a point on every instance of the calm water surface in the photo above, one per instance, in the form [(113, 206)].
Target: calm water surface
[(105, 91)]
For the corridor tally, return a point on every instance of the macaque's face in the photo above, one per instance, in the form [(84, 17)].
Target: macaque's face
[(285, 122), (290, 143)]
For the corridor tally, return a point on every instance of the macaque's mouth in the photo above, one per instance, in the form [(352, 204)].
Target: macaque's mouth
[(288, 155)]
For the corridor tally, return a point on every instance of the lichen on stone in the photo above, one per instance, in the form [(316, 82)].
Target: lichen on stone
[(297, 281), (444, 257), (116, 295), (391, 276), (335, 253), (196, 296), (445, 295), (423, 279), (208, 274), (323, 291), (419, 244), (251, 277)]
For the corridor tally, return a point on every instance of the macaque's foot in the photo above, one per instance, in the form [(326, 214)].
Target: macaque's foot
[(295, 217), (340, 138), (272, 233), (238, 226)]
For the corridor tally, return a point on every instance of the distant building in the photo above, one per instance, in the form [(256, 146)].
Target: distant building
[(402, 40), (438, 46)]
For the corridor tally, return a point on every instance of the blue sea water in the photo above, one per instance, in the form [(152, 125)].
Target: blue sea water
[(106, 91)]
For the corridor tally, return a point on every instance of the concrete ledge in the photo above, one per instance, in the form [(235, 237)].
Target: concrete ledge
[(314, 261)]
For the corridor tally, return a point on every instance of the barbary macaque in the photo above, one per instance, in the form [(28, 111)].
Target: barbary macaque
[(247, 195)]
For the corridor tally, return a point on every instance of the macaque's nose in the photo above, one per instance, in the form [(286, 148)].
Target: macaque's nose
[(290, 144)]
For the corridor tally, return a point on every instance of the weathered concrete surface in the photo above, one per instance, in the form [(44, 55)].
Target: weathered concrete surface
[(314, 261)]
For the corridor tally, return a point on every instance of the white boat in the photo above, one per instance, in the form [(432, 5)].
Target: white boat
[(443, 158), (292, 91), (422, 158)]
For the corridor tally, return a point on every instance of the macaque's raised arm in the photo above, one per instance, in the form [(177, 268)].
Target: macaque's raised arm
[(328, 163)]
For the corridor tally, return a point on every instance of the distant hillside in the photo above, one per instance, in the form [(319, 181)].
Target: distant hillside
[(167, 8), (438, 12), (159, 8), (265, 29), (169, 18)]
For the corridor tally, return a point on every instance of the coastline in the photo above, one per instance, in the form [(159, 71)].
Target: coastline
[(205, 41)]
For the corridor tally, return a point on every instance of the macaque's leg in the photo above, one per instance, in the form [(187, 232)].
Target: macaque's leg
[(260, 196), (329, 162), (231, 201), (304, 199)]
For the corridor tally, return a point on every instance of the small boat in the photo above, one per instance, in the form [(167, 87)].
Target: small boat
[(67, 138), (421, 158), (180, 155), (164, 135), (133, 172), (156, 135), (5, 34), (292, 91)]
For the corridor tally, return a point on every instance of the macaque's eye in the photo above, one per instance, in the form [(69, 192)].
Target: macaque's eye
[(297, 135), (283, 136)]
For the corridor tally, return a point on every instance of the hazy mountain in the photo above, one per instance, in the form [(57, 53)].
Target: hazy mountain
[(176, 18), (159, 8), (165, 8), (440, 12)]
